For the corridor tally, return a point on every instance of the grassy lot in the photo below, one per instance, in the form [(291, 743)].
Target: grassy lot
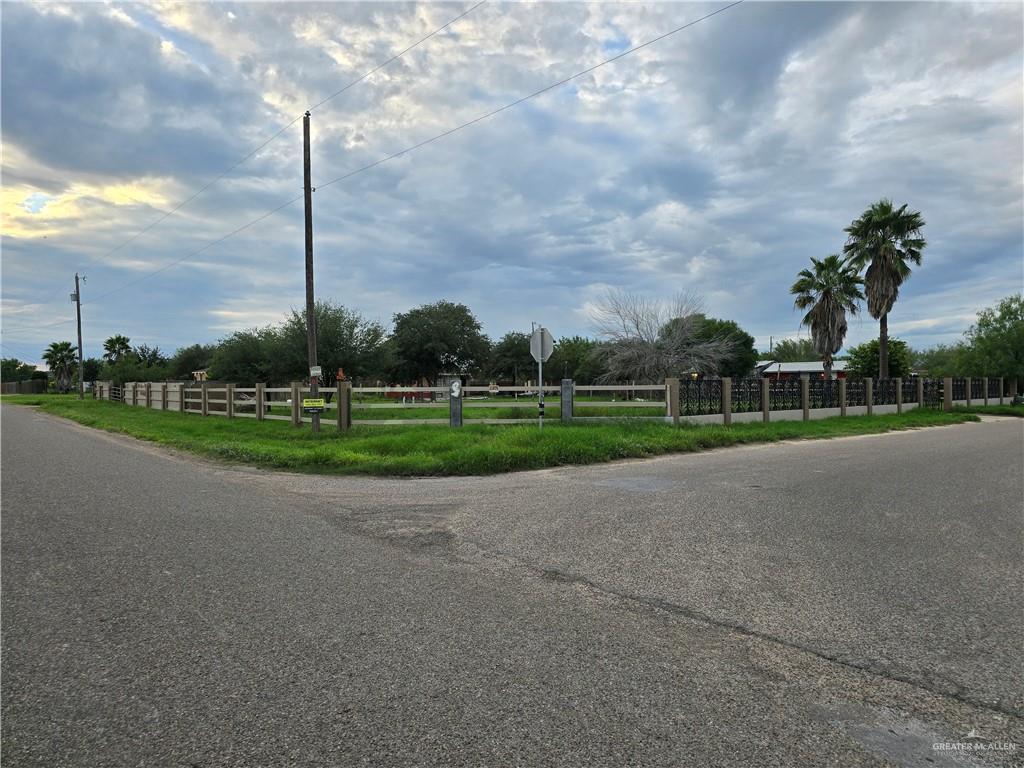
[(437, 450), (993, 410)]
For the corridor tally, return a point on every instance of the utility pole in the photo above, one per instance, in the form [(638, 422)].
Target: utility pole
[(81, 364), (314, 384)]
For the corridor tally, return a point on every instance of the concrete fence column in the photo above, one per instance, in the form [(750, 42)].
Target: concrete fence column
[(947, 394), (805, 397), (920, 392), (344, 405), (967, 390), (566, 401), (296, 405), (135, 394), (727, 400), (672, 400), (149, 394), (455, 410), (260, 398), (842, 397), (204, 394), (899, 395), (229, 396), (869, 395), (984, 390), (766, 406), (181, 398), (163, 396)]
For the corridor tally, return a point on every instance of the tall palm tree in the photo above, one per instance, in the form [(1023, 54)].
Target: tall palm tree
[(827, 291), (886, 240), (116, 347), (61, 356)]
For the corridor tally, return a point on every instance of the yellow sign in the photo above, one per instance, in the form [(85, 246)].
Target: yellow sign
[(313, 402)]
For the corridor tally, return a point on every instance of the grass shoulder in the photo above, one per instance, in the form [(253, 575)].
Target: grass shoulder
[(992, 410), (419, 450)]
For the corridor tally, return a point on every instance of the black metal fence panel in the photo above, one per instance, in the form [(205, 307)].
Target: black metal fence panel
[(700, 397), (884, 392), (933, 393), (856, 392), (822, 393), (993, 388), (959, 389), (746, 395), (784, 395), (977, 389), (909, 390)]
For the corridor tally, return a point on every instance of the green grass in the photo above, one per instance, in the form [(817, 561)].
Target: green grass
[(993, 410), (440, 450)]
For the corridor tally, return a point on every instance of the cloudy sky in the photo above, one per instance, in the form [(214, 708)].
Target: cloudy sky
[(718, 160)]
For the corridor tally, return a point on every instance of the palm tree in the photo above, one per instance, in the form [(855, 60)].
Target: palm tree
[(827, 292), (61, 356), (116, 347), (886, 240)]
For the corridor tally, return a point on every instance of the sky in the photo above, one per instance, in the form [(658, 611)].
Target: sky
[(716, 162)]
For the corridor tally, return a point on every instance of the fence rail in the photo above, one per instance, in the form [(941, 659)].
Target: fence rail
[(703, 400)]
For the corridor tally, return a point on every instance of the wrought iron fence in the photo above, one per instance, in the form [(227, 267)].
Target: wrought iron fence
[(117, 394), (910, 390), (884, 392), (699, 397), (784, 395), (746, 395), (822, 393), (959, 389), (977, 389), (993, 388), (933, 393), (856, 392)]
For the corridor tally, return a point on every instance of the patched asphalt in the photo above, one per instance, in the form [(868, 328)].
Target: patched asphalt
[(849, 602)]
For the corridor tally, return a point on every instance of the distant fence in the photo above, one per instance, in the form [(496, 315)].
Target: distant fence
[(27, 387), (699, 401)]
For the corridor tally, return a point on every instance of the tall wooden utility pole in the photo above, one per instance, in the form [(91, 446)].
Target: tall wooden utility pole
[(81, 365), (310, 305)]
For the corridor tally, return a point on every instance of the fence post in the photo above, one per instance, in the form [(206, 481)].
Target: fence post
[(260, 395), (766, 406), (163, 396), (455, 409), (229, 396), (727, 400), (672, 396), (842, 397), (967, 391), (296, 405), (920, 392), (984, 390), (805, 396), (182, 389), (204, 402), (135, 393), (869, 395), (344, 405), (947, 394), (565, 402), (1001, 381), (149, 394), (899, 395)]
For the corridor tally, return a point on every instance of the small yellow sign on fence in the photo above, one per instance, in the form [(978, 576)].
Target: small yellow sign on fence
[(313, 404)]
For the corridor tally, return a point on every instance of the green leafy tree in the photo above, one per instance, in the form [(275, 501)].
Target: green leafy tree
[(741, 359), (886, 240), (13, 369), (941, 360), (576, 358), (862, 360), (245, 356), (996, 340), (827, 291), (91, 367), (793, 351), (116, 348), (511, 359), (438, 338), (190, 359), (149, 357), (61, 356)]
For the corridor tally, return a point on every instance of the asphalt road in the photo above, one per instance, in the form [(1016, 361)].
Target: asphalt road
[(845, 603)]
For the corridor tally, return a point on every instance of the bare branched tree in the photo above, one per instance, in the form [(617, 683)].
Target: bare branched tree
[(647, 340)]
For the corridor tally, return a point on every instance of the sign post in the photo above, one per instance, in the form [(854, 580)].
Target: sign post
[(541, 347)]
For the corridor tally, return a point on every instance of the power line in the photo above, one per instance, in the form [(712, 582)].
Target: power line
[(520, 100), (421, 144)]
